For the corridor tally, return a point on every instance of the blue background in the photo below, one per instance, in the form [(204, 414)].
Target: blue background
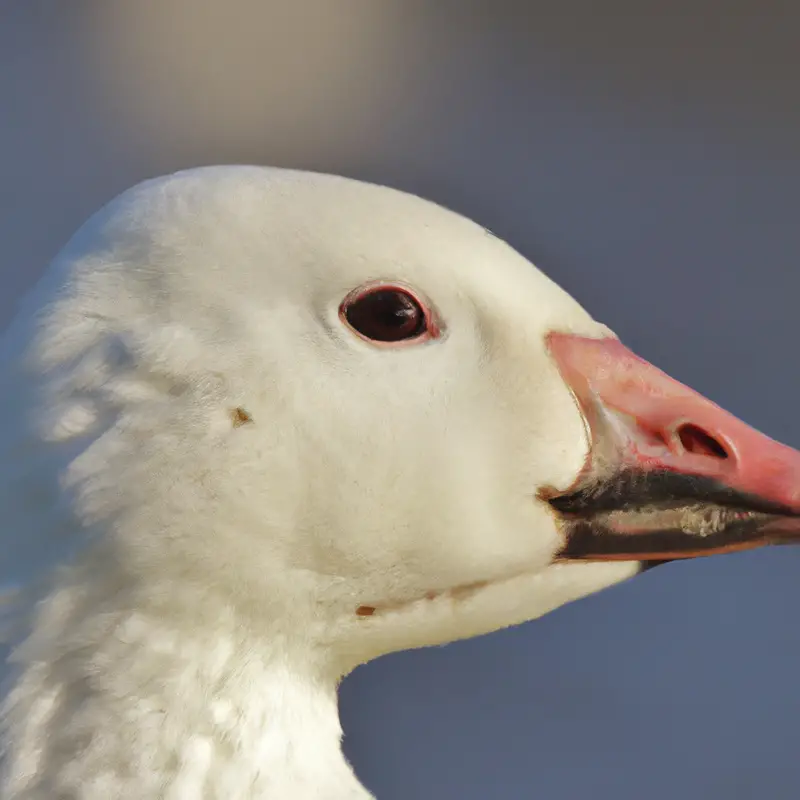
[(646, 155)]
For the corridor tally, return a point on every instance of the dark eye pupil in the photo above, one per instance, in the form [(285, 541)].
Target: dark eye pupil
[(386, 315)]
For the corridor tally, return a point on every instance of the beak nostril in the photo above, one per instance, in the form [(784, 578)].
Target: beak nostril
[(696, 441)]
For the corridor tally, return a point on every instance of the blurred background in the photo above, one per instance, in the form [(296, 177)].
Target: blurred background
[(647, 156)]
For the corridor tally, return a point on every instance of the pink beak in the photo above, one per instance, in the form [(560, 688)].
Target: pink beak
[(669, 474)]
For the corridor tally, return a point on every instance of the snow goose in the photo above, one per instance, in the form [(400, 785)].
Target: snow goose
[(260, 426)]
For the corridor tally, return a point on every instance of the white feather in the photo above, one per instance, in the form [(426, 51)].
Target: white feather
[(196, 581)]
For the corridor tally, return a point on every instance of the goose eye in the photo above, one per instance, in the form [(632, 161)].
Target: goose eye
[(386, 314)]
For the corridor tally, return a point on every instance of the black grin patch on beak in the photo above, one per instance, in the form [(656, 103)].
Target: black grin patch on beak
[(658, 516)]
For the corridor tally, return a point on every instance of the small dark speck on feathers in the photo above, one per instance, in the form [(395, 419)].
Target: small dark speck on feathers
[(240, 417)]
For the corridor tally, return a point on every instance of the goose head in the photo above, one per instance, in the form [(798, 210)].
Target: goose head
[(347, 421)]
